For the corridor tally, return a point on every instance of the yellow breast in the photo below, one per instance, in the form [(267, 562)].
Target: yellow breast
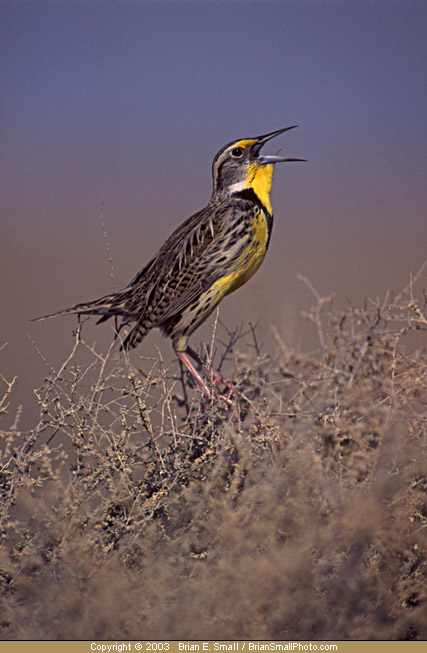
[(250, 260)]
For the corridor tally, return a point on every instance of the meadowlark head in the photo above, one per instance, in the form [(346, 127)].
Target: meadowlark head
[(239, 166)]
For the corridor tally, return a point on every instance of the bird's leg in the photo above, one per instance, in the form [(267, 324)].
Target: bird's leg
[(218, 378), (194, 373)]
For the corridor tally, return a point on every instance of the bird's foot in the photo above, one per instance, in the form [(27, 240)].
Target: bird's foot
[(218, 379), (229, 403)]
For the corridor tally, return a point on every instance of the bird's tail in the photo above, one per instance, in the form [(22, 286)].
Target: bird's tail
[(106, 307), (137, 333)]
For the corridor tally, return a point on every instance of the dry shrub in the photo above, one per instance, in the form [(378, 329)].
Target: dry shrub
[(135, 510)]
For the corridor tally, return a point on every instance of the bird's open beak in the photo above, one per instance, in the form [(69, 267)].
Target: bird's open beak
[(271, 158)]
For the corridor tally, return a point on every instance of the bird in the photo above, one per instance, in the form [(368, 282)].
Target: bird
[(210, 255)]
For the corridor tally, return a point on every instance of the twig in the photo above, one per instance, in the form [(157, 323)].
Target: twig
[(110, 258), (413, 279)]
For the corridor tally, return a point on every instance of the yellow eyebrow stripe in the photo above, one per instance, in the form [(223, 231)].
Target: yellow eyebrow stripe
[(246, 142)]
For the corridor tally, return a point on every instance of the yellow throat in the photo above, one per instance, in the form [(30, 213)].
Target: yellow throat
[(260, 178)]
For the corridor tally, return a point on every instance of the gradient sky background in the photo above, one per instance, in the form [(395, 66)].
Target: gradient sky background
[(126, 103)]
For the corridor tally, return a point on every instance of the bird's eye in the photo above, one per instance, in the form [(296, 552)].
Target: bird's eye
[(237, 152)]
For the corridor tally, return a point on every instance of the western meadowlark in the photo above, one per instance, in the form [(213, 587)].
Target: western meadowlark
[(210, 255)]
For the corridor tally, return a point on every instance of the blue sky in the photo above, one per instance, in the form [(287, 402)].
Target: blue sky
[(111, 84)]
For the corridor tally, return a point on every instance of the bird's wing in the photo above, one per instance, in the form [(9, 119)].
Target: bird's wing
[(201, 254)]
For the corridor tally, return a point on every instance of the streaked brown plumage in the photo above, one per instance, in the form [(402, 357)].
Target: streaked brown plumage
[(210, 255)]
